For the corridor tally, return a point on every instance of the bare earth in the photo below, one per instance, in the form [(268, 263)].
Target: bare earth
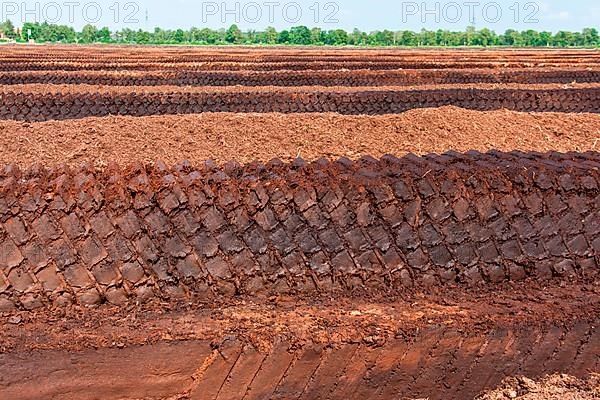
[(483, 280), (555, 387), (249, 137)]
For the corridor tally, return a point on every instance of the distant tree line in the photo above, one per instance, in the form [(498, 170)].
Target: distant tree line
[(301, 35)]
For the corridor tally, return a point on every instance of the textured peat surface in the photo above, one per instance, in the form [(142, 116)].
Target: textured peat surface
[(357, 271), (61, 58), (216, 136), (473, 265), (84, 235), (303, 78), (57, 102)]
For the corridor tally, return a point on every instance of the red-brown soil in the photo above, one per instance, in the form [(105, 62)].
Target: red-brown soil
[(304, 78), (304, 65), (301, 319), (37, 102), (248, 137), (215, 58), (41, 89), (350, 335), (202, 232), (401, 278), (555, 387), (446, 346)]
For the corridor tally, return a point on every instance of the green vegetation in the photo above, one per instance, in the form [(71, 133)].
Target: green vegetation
[(301, 35)]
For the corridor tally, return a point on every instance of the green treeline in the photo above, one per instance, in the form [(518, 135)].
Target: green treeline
[(301, 35)]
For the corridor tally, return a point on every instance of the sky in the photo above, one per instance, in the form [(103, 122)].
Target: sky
[(498, 15)]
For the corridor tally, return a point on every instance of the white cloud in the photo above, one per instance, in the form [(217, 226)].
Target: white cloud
[(544, 7), (559, 16)]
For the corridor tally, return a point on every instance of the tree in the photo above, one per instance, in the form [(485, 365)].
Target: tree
[(562, 39), (284, 37), (159, 35), (8, 29), (30, 30), (470, 36), (408, 38), (179, 36), (142, 37), (316, 36), (486, 37), (88, 34), (337, 37), (442, 37), (127, 35), (103, 35), (590, 37), (206, 36), (300, 35), (252, 36), (233, 34), (384, 38), (512, 38), (427, 38), (545, 38), (65, 34), (271, 35), (531, 38), (46, 32), (358, 38)]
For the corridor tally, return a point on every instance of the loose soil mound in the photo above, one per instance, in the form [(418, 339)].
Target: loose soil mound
[(555, 387), (248, 137)]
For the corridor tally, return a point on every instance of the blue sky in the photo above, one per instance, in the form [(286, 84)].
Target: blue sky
[(498, 15)]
